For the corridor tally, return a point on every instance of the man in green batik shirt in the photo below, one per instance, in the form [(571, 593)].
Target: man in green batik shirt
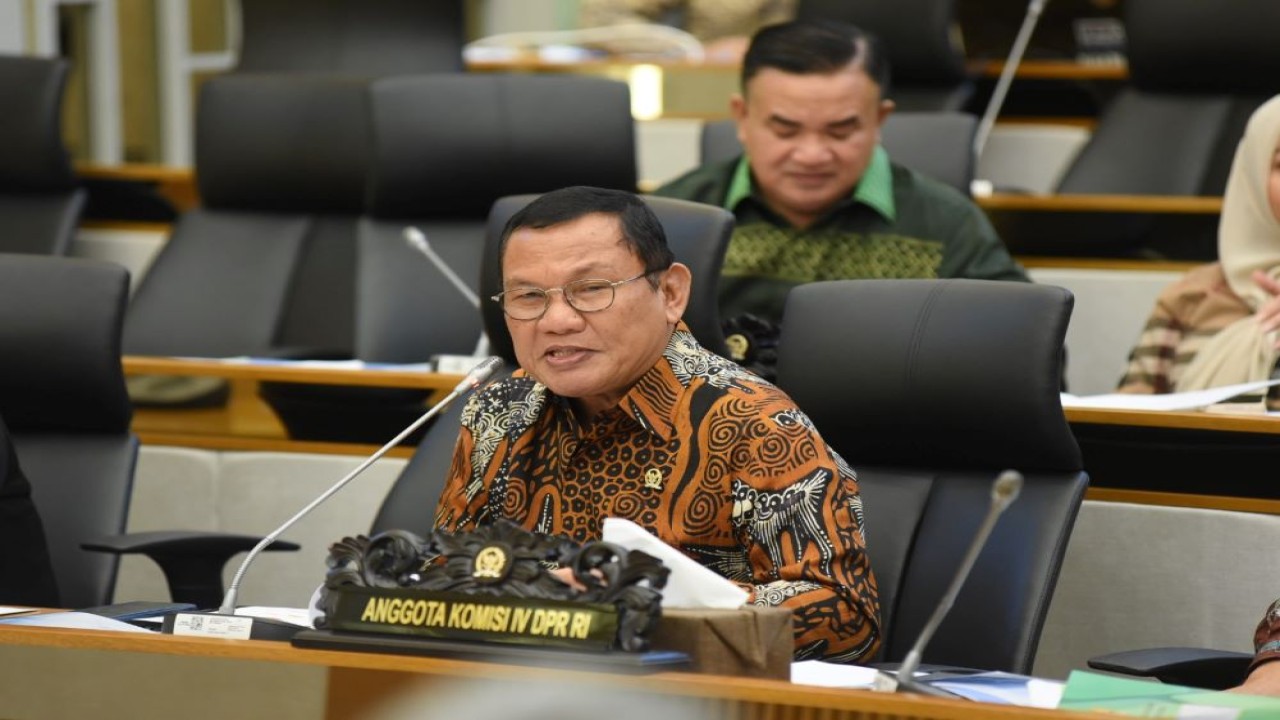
[(815, 196)]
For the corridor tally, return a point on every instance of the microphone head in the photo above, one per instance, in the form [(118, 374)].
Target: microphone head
[(416, 238), (480, 374), (1006, 487)]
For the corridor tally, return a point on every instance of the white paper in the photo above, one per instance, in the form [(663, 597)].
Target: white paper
[(15, 610), (1194, 400), (1004, 688), (76, 620), (828, 674), (689, 585), (294, 616)]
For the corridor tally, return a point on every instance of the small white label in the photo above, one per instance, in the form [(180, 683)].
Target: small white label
[(455, 364), (219, 626)]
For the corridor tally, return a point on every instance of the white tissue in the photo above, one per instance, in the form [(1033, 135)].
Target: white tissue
[(690, 585)]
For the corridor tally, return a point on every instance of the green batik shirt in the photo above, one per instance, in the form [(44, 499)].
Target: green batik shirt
[(896, 224)]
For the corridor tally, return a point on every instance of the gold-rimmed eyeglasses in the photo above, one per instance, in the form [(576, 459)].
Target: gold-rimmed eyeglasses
[(586, 296)]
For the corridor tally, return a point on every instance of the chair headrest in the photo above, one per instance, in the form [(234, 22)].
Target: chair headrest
[(60, 321), (955, 374), (1225, 46), (920, 36), (32, 156), (451, 144), (283, 143)]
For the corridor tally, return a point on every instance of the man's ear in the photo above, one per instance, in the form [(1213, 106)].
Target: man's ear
[(676, 282), (886, 109), (738, 111)]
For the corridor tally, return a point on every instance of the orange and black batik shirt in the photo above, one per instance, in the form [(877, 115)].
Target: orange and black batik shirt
[(708, 457)]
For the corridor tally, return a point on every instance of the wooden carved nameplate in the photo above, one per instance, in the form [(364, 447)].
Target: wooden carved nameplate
[(493, 584)]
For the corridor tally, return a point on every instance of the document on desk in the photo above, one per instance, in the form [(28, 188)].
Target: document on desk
[(1195, 400), (689, 585), (829, 674), (75, 620), (1148, 698), (1003, 688)]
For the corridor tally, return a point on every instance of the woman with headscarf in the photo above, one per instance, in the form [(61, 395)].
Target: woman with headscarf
[(1217, 325)]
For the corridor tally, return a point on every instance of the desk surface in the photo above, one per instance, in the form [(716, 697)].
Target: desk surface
[(1213, 421), (359, 680), (1079, 203)]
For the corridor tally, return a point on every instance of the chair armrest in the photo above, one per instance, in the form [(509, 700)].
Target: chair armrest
[(192, 562), (1194, 667)]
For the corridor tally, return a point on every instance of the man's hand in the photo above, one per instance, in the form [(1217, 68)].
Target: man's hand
[(1268, 314), (1264, 680)]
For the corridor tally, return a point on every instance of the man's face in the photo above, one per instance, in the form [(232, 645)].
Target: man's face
[(809, 137), (592, 357)]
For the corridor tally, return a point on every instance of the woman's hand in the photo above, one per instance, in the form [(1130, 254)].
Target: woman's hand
[(1264, 680), (1268, 313)]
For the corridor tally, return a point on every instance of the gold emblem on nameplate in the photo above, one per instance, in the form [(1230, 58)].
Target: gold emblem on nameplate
[(653, 478), (490, 564)]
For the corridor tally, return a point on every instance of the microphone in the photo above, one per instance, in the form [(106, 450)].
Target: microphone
[(1003, 492), (283, 631), (1029, 21), (417, 240)]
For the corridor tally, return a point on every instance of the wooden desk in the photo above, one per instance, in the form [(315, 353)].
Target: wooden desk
[(1187, 459), (1156, 204), (175, 184), (357, 682), (246, 422)]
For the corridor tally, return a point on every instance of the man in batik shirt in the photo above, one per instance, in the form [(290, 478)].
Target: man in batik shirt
[(618, 412)]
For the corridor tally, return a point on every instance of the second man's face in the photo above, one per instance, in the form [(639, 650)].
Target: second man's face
[(810, 137)]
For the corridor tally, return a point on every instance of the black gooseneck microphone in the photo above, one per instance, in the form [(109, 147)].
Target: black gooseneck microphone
[(478, 376), (1004, 491)]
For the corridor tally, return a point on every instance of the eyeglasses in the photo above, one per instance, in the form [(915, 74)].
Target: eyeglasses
[(586, 296)]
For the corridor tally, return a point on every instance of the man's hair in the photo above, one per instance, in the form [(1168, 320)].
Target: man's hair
[(641, 230), (808, 47)]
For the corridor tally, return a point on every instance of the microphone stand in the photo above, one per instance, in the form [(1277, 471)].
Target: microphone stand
[(266, 629), (1003, 492), (988, 121), (418, 241)]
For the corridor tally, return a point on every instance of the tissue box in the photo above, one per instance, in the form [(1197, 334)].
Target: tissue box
[(745, 642)]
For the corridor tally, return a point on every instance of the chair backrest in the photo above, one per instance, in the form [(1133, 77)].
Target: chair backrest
[(358, 37), (926, 59), (1196, 73), (937, 144), (698, 235), (266, 262), (447, 146), (40, 204), (63, 397), (929, 388)]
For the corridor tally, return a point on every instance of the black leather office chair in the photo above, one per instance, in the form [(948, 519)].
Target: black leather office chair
[(1196, 74), (264, 266), (937, 144), (922, 41), (63, 398), (40, 204), (355, 37), (929, 388)]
